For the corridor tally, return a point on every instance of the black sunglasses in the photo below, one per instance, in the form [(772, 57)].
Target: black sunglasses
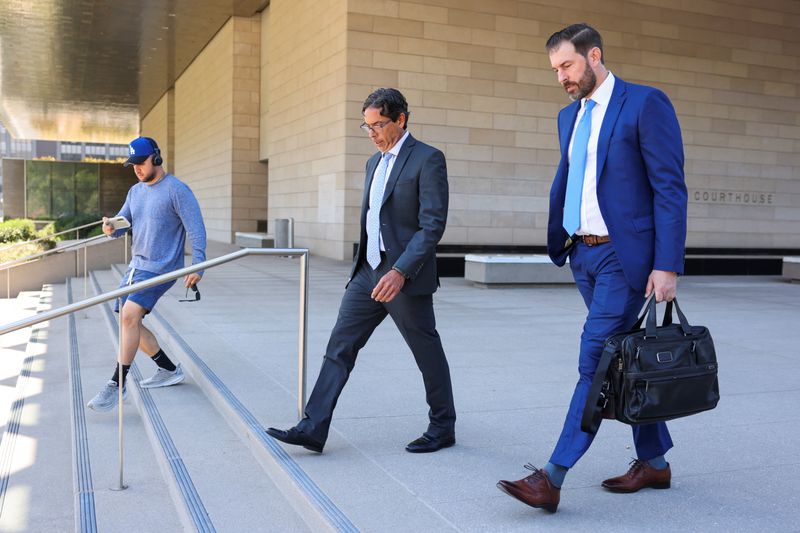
[(196, 294)]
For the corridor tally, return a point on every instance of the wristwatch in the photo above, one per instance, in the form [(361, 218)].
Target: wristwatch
[(400, 272)]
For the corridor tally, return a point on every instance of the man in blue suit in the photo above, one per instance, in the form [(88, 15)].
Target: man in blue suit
[(618, 211), (403, 216)]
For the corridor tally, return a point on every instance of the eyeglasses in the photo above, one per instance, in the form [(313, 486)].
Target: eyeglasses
[(196, 294), (374, 128)]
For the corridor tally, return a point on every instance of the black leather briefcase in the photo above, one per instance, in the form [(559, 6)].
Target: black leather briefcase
[(653, 374)]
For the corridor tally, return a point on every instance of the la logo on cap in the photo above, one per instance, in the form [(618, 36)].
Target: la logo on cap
[(130, 147)]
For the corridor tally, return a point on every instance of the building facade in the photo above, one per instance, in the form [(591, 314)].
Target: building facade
[(273, 133), (20, 152)]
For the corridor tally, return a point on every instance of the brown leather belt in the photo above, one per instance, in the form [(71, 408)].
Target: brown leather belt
[(594, 240)]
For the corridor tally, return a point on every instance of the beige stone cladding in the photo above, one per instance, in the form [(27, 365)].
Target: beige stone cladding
[(216, 130), (480, 87), (303, 121), (467, 71), (159, 124)]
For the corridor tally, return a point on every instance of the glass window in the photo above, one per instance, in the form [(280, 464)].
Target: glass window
[(87, 188), (56, 188), (37, 188), (63, 187)]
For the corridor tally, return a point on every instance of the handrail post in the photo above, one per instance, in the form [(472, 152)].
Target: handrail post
[(8, 283), (302, 351), (85, 272), (120, 386)]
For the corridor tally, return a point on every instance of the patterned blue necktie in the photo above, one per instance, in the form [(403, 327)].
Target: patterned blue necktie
[(577, 169), (373, 216)]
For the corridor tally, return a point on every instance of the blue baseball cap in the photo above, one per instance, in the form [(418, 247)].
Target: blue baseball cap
[(140, 149)]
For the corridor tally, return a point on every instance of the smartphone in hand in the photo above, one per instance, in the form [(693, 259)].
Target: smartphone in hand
[(118, 223)]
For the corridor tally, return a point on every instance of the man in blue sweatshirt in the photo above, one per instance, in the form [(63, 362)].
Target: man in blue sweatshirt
[(162, 211)]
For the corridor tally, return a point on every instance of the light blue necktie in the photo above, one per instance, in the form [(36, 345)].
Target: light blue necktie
[(577, 169), (373, 216)]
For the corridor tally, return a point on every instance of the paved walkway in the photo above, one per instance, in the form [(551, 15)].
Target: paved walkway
[(513, 355)]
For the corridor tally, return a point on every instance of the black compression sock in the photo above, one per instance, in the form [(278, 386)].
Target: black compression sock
[(163, 361), (115, 377)]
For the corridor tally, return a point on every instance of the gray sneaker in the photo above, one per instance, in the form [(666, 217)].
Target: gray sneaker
[(163, 378), (107, 398)]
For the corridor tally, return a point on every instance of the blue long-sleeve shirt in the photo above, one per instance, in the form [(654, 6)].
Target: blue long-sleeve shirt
[(161, 216)]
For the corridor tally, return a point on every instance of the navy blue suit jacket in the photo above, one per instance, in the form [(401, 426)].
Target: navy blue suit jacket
[(413, 215), (641, 188)]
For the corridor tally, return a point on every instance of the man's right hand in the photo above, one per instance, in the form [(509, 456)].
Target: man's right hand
[(108, 229), (663, 283)]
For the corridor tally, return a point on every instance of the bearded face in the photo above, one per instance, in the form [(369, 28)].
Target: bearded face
[(577, 73), (582, 87)]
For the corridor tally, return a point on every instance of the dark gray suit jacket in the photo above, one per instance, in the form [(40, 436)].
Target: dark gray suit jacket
[(413, 215)]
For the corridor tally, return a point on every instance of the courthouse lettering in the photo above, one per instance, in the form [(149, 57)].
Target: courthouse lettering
[(731, 197)]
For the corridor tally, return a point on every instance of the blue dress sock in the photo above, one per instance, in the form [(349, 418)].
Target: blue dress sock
[(659, 463), (556, 473)]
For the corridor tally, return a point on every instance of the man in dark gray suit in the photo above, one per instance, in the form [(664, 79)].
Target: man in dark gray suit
[(403, 216)]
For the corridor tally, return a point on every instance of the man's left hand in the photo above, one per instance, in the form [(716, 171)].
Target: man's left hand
[(191, 279), (388, 286), (664, 283)]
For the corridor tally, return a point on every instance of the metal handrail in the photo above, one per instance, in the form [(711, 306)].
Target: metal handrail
[(8, 265), (46, 237), (37, 255), (169, 276)]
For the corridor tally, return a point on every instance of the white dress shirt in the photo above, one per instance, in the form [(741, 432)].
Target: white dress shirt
[(592, 222), (394, 150)]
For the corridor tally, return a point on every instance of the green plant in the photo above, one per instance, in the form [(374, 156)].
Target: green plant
[(47, 232), (17, 229), (73, 221)]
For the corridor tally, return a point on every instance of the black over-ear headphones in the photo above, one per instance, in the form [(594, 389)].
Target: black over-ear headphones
[(157, 161)]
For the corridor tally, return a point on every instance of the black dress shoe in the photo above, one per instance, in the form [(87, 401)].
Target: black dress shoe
[(296, 437), (426, 444)]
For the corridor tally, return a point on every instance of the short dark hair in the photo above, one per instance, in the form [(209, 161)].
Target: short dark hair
[(582, 36), (390, 102)]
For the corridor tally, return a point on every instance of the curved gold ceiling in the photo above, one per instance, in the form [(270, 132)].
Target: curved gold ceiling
[(83, 70)]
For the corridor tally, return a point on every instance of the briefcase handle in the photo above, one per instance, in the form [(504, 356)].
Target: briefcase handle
[(649, 311)]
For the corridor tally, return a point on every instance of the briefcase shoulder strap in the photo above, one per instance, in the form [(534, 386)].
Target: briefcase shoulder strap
[(593, 411)]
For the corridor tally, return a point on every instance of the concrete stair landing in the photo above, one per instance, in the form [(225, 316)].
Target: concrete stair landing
[(197, 458)]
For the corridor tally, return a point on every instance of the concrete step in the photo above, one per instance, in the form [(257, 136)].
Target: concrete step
[(13, 346), (209, 468), (59, 467), (219, 368), (35, 466), (145, 501), (244, 330)]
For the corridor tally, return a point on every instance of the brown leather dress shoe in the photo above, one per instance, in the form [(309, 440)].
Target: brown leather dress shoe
[(639, 476), (535, 490)]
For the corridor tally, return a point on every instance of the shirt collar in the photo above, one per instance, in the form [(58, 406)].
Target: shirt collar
[(395, 150), (602, 95)]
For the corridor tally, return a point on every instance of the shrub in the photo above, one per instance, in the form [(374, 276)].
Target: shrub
[(47, 231), (73, 221), (17, 229)]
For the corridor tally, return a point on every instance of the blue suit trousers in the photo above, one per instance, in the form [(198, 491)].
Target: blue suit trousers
[(613, 307)]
